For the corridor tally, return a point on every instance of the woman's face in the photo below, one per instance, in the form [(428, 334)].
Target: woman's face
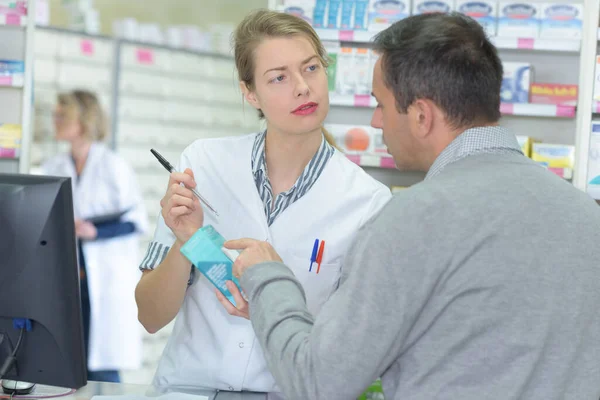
[(290, 85), (66, 124)]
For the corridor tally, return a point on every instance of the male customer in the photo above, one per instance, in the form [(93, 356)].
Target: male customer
[(482, 282)]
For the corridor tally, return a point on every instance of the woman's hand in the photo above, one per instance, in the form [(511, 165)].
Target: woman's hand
[(241, 308), (181, 209), (85, 230)]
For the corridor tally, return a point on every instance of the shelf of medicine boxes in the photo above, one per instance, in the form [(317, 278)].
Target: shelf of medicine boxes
[(506, 43), (13, 20), (517, 109)]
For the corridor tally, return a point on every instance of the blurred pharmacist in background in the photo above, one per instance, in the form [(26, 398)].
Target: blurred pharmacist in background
[(287, 185), (103, 185), (482, 282)]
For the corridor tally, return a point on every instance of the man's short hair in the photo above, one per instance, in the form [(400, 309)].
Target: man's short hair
[(446, 58)]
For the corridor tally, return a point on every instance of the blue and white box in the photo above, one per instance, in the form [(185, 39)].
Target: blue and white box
[(561, 20), (519, 19), (515, 82), (483, 11), (334, 14), (383, 13), (347, 14), (12, 72), (320, 14), (432, 6), (593, 187), (206, 252), (361, 14)]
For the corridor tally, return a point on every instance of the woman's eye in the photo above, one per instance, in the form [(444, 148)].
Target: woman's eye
[(280, 78), (312, 68)]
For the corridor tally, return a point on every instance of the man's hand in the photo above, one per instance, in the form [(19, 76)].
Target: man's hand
[(85, 230), (252, 252)]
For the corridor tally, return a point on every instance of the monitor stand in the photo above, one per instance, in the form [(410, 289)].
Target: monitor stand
[(17, 388)]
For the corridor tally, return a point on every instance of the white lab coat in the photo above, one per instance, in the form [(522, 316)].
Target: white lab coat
[(108, 185), (211, 349)]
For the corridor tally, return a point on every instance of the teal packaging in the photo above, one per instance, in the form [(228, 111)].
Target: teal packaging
[(204, 252), (347, 14)]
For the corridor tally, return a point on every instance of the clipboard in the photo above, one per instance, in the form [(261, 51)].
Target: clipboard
[(100, 219)]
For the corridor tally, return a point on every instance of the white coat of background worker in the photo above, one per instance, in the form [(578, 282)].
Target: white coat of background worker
[(103, 184), (287, 185)]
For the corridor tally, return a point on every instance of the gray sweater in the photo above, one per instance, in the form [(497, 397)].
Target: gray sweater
[(482, 282)]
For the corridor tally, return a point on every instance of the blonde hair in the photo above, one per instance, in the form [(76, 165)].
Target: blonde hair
[(85, 107), (261, 24)]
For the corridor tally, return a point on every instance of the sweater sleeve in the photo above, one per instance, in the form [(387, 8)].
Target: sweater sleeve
[(360, 331)]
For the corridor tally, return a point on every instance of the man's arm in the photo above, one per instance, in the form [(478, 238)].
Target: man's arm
[(360, 331)]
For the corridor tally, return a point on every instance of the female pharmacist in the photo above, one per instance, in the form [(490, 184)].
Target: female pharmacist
[(103, 184), (287, 185)]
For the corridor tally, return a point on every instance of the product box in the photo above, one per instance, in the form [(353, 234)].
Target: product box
[(352, 139), (361, 70), (300, 8), (345, 75), (10, 140), (483, 11), (206, 252), (553, 155), (333, 50), (347, 14), (334, 14), (383, 13), (515, 82), (593, 187), (361, 14), (377, 142), (561, 20), (320, 14), (432, 6), (552, 93), (12, 73), (525, 143), (519, 19)]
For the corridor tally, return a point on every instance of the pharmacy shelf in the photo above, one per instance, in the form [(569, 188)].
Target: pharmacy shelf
[(12, 20), (8, 81), (518, 109), (596, 107), (507, 43), (372, 160)]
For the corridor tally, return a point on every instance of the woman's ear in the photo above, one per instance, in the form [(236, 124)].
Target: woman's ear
[(249, 95)]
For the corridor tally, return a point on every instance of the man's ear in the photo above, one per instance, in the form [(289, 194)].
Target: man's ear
[(249, 95), (423, 114)]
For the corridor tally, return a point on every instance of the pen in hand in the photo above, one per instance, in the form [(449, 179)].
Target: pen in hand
[(170, 168)]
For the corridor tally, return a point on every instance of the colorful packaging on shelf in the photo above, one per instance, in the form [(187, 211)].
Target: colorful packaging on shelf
[(553, 155), (14, 7), (334, 13), (552, 93), (320, 14), (483, 11), (525, 142), (383, 13), (12, 73), (515, 82), (361, 14), (205, 251), (561, 21), (10, 140), (300, 8), (361, 70), (519, 19), (593, 187), (333, 50), (352, 139), (347, 14), (378, 144), (346, 75), (432, 6)]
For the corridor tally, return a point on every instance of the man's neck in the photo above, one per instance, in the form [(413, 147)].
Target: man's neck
[(287, 155), (80, 149)]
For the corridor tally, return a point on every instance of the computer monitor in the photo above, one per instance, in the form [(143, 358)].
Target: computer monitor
[(39, 282)]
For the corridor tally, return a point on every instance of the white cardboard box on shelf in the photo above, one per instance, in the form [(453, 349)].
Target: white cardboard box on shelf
[(483, 11), (515, 82), (519, 19), (383, 13), (561, 20), (428, 6)]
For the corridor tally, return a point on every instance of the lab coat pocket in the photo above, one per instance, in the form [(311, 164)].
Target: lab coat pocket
[(318, 287)]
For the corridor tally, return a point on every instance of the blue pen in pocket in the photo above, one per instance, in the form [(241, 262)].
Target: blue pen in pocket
[(313, 257), (206, 252)]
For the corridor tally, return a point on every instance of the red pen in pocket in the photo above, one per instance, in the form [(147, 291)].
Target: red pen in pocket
[(320, 255)]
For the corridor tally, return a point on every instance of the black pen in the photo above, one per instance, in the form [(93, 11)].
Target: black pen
[(170, 168)]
